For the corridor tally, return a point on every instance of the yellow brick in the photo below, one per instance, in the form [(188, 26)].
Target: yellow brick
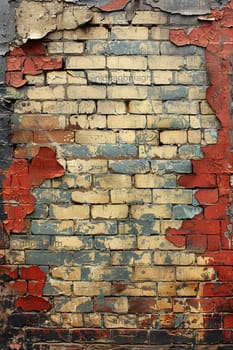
[(174, 258), (92, 288), (154, 273), (187, 289), (58, 107), (130, 196), (150, 18), (164, 152), (127, 92), (166, 62), (97, 166), (159, 33), (73, 47), (87, 107), (166, 289), (182, 107), (87, 227), (27, 107), (129, 33), (56, 78), (55, 47), (86, 92), (113, 181), (195, 273), (167, 321), (93, 320), (89, 122), (85, 62), (76, 77), (69, 212), (72, 305), (94, 137), (150, 210), (71, 321), (162, 77), (155, 242), (66, 273), (173, 137), (148, 137), (176, 196), (139, 258), (141, 77), (119, 243), (120, 77), (121, 321), (194, 136), (118, 17), (125, 228), (210, 137), (111, 107), (164, 304), (69, 243), (46, 93), (194, 321), (62, 288), (82, 181), (87, 33), (109, 211), (95, 196), (126, 121), (153, 181), (165, 224), (195, 62), (205, 108), (139, 289), (197, 93), (126, 62), (145, 107), (127, 136), (165, 121), (98, 76)]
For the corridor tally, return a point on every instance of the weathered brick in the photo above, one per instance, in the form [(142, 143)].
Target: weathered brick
[(126, 62), (174, 258), (52, 227), (195, 273), (94, 136), (159, 33), (130, 196), (145, 107), (72, 243), (98, 76), (155, 273), (85, 62), (27, 107), (155, 242), (56, 78), (150, 211), (73, 47), (130, 258), (162, 77), (139, 227), (126, 136), (95, 196), (126, 121), (35, 122), (154, 181), (127, 92), (130, 166), (87, 107), (134, 289), (149, 18), (113, 304), (57, 107), (129, 33), (99, 273), (69, 211), (121, 321), (170, 166), (167, 121), (182, 107), (73, 304), (86, 92), (46, 92), (112, 181), (97, 166), (172, 196), (94, 121), (54, 287), (166, 62), (66, 273), (111, 107), (87, 33), (173, 137), (115, 243), (76, 77), (58, 136), (91, 257), (86, 227), (109, 211), (120, 47), (45, 257), (167, 152), (83, 288)]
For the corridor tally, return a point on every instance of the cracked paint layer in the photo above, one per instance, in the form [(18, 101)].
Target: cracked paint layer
[(19, 179), (210, 233), (29, 59)]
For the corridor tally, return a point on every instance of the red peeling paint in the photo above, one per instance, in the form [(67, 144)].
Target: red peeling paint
[(29, 59), (19, 179), (114, 5), (210, 233), (32, 303)]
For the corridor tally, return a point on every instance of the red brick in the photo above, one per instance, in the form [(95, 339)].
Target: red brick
[(207, 196), (31, 303), (32, 273), (22, 136)]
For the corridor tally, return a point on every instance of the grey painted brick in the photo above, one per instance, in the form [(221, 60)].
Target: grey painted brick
[(88, 228), (139, 227), (185, 211), (52, 227), (190, 151), (122, 47), (168, 92), (75, 151), (40, 212), (130, 166), (45, 257), (29, 242), (51, 195), (91, 257), (171, 166), (168, 121), (114, 151), (168, 48), (107, 274)]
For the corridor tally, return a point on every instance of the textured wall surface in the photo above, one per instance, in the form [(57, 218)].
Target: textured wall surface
[(116, 176)]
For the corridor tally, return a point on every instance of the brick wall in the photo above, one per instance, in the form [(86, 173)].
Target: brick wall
[(117, 198)]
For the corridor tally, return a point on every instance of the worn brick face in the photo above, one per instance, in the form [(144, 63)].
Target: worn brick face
[(123, 135)]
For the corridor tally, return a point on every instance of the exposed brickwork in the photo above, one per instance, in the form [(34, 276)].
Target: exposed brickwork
[(120, 242)]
